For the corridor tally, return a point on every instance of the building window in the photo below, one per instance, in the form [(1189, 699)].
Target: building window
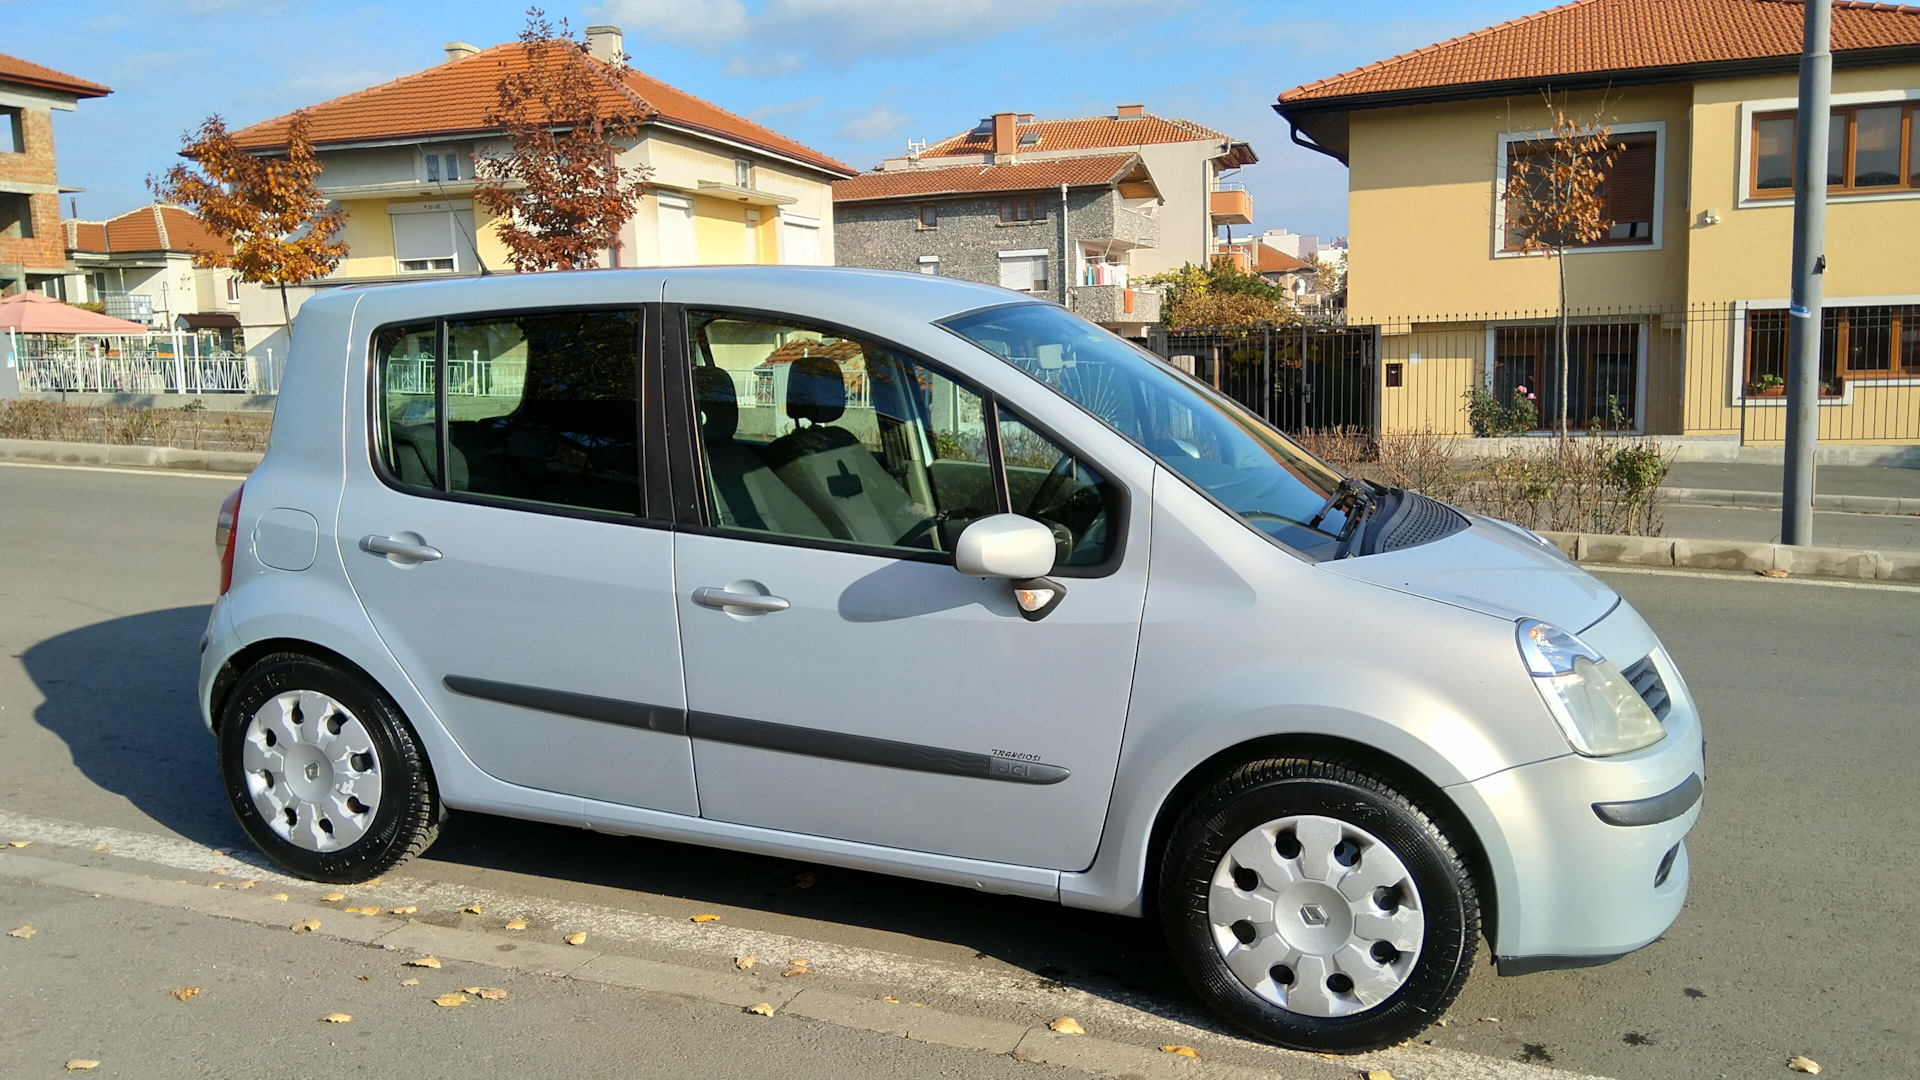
[(13, 132), (930, 264), (16, 216), (1603, 373), (1629, 193), (929, 216), (743, 174), (800, 240), (1870, 149), (1023, 271), (1856, 343), (442, 167), (1017, 210), (233, 290), (432, 238)]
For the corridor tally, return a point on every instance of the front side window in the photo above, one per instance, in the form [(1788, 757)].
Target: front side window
[(541, 408), (1248, 467), (1870, 149)]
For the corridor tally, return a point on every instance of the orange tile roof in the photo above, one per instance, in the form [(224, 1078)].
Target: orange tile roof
[(1088, 133), (454, 98), (970, 179), (15, 70), (1594, 37), (156, 227), (1267, 260)]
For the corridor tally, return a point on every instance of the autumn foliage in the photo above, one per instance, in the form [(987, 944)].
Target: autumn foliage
[(267, 207), (558, 193)]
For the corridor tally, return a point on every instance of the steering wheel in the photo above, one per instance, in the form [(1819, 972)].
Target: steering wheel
[(1051, 485)]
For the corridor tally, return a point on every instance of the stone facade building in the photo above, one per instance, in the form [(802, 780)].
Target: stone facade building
[(32, 244)]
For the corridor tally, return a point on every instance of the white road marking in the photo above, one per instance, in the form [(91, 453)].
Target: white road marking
[(1741, 576), (189, 474), (718, 944)]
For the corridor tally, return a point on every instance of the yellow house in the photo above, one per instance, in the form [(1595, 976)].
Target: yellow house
[(398, 160), (1679, 310)]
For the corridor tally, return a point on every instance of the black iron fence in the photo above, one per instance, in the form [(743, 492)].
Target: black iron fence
[(1702, 370)]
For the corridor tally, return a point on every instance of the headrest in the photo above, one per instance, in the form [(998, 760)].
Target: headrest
[(816, 392), (719, 403)]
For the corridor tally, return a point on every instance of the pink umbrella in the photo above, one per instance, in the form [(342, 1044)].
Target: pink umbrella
[(33, 313)]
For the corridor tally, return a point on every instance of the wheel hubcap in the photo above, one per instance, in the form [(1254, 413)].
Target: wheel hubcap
[(311, 770), (1316, 915)]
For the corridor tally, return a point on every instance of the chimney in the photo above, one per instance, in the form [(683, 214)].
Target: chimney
[(606, 44), (1024, 118), (458, 50), (1129, 112), (1005, 141)]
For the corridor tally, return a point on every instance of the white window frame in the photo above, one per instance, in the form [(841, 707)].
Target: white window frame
[(1641, 340), (930, 264), (1031, 253), (1737, 363), (668, 201), (233, 288), (451, 208), (1507, 138), (1744, 148), (797, 221)]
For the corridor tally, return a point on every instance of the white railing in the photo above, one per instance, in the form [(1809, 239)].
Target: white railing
[(465, 378), (138, 364)]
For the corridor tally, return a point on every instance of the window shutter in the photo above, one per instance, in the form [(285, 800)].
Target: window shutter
[(1629, 190), (422, 236), (1016, 273)]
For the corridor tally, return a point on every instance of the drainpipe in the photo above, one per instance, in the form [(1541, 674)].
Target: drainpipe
[(1066, 253)]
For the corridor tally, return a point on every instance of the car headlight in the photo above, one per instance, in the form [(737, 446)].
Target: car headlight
[(1595, 706)]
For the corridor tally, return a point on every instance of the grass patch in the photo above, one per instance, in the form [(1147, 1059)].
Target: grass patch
[(193, 427)]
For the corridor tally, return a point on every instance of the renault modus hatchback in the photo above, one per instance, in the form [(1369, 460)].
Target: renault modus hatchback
[(916, 576)]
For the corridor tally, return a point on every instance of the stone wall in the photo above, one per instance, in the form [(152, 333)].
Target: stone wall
[(887, 234)]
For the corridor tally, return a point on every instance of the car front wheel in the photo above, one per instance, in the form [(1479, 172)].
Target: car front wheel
[(325, 775), (1315, 906)]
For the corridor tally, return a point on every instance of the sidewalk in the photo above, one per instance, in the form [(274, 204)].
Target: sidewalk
[(1855, 488)]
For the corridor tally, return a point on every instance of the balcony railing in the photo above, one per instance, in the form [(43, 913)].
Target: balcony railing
[(1109, 221), (1230, 205)]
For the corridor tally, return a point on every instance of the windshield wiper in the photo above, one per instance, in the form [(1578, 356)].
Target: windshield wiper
[(1346, 495)]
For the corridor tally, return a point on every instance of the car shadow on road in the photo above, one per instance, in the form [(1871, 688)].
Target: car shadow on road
[(120, 694)]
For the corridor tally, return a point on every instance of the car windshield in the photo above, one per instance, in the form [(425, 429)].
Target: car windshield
[(1219, 447)]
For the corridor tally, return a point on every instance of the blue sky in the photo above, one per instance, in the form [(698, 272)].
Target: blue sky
[(852, 78)]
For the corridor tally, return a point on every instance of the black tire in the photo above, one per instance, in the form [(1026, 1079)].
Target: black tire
[(1262, 792), (406, 819)]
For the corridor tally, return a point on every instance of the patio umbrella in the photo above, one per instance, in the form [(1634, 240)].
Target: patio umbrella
[(33, 313)]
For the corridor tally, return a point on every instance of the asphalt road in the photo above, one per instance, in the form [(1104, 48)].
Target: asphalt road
[(1791, 942)]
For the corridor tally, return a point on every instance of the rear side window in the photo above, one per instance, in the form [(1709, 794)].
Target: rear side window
[(539, 409)]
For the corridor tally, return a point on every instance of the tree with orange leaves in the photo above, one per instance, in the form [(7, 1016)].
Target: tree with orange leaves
[(1555, 199), (266, 207), (559, 192)]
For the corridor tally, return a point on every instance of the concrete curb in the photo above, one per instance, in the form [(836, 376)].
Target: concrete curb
[(1851, 504), (48, 452), (1853, 563)]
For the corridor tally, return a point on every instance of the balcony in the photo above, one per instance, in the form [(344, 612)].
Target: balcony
[(1230, 205), (1110, 223), (1111, 305)]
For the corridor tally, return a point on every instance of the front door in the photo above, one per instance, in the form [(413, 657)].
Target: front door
[(501, 549), (843, 679)]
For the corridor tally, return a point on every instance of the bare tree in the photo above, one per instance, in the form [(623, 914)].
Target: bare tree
[(559, 191), (1555, 200)]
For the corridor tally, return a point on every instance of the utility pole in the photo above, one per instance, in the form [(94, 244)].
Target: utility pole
[(1809, 262)]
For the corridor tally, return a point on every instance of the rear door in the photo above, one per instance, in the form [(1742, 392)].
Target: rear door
[(843, 679), (500, 542)]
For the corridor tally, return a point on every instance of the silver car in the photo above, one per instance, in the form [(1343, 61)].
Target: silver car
[(905, 574)]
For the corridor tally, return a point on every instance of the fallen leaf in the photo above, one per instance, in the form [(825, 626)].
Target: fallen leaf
[(24, 843), (470, 909), (891, 1000), (1771, 573), (217, 851), (248, 884), (744, 963), (409, 982), (515, 924), (186, 992), (486, 993), (424, 962), (805, 881), (798, 961), (1489, 1019), (791, 972), (305, 926), (1804, 1064), (576, 938), (332, 896), (1180, 1051), (1442, 1022), (21, 932), (221, 870), (408, 910), (1067, 1025), (364, 978), (336, 1018), (79, 1064), (1378, 1074), (371, 881), (278, 896), (762, 1009), (216, 885), (101, 847), (917, 1004), (706, 918), (448, 1001)]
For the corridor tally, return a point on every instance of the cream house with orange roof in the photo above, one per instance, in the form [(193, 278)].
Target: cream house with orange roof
[(1700, 98), (398, 159), (140, 266)]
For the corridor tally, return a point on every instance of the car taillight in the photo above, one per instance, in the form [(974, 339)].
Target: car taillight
[(224, 529)]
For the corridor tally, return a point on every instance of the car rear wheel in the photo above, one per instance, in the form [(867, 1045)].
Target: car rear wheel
[(1317, 907), (323, 772)]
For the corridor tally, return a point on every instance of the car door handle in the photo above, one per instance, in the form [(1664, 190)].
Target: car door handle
[(386, 545), (721, 598)]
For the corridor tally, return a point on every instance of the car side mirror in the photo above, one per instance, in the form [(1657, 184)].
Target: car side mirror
[(1017, 548)]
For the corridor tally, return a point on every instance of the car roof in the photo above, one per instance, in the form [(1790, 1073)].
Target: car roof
[(914, 297)]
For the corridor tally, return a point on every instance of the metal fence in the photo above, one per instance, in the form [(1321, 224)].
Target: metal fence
[(1702, 370), (139, 364)]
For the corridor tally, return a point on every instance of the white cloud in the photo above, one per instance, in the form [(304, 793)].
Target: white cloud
[(754, 64), (707, 25), (786, 108), (877, 123)]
